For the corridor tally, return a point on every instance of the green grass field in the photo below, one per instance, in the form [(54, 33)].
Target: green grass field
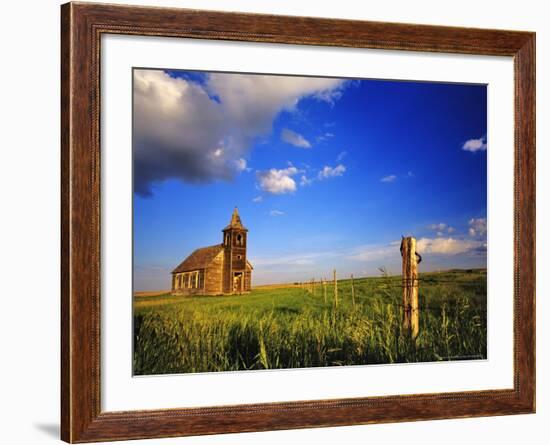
[(292, 328)]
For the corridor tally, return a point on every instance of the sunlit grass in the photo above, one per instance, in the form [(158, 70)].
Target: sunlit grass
[(291, 328)]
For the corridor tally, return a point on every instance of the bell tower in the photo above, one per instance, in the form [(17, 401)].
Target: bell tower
[(234, 243)]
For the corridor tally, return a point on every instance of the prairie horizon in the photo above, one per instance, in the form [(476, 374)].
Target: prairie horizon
[(160, 292)]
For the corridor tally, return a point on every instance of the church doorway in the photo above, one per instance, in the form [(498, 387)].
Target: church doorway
[(238, 282)]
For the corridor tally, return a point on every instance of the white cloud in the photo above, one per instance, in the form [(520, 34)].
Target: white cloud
[(474, 145), (331, 172), (276, 213), (293, 138), (389, 178), (341, 155), (240, 165), (324, 137), (302, 259), (329, 96), (374, 252), (304, 181), (276, 181), (439, 227), (195, 131), (258, 199), (447, 246), (478, 226)]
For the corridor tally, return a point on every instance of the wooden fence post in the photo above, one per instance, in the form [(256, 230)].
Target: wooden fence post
[(335, 288), (352, 292), (410, 285)]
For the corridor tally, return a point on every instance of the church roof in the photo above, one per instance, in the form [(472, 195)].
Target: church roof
[(199, 259), (235, 222)]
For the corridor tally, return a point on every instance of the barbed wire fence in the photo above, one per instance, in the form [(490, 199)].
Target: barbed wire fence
[(409, 284)]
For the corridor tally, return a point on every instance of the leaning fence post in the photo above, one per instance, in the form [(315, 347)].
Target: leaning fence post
[(410, 285)]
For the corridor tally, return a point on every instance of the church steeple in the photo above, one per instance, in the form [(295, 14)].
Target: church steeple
[(235, 222), (235, 263)]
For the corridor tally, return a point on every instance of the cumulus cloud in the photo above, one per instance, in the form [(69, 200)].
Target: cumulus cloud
[(331, 172), (277, 182), (389, 178), (293, 138), (447, 246), (196, 131), (276, 213), (258, 199), (478, 226), (474, 145), (440, 228), (240, 165)]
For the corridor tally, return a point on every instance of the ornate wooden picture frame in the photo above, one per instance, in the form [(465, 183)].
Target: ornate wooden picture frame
[(82, 26)]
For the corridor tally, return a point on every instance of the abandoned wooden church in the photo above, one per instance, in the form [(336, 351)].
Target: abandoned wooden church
[(221, 269)]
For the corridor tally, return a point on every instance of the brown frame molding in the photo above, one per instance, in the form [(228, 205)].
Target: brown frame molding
[(82, 25)]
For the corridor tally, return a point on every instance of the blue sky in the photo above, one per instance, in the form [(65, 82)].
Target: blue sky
[(326, 173)]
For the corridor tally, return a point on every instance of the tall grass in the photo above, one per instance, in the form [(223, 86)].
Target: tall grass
[(291, 328)]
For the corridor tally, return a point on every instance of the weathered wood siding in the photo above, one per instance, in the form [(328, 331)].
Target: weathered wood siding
[(248, 279), (213, 276), (227, 281)]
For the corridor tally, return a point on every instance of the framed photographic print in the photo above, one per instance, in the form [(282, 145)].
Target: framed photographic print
[(284, 222)]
